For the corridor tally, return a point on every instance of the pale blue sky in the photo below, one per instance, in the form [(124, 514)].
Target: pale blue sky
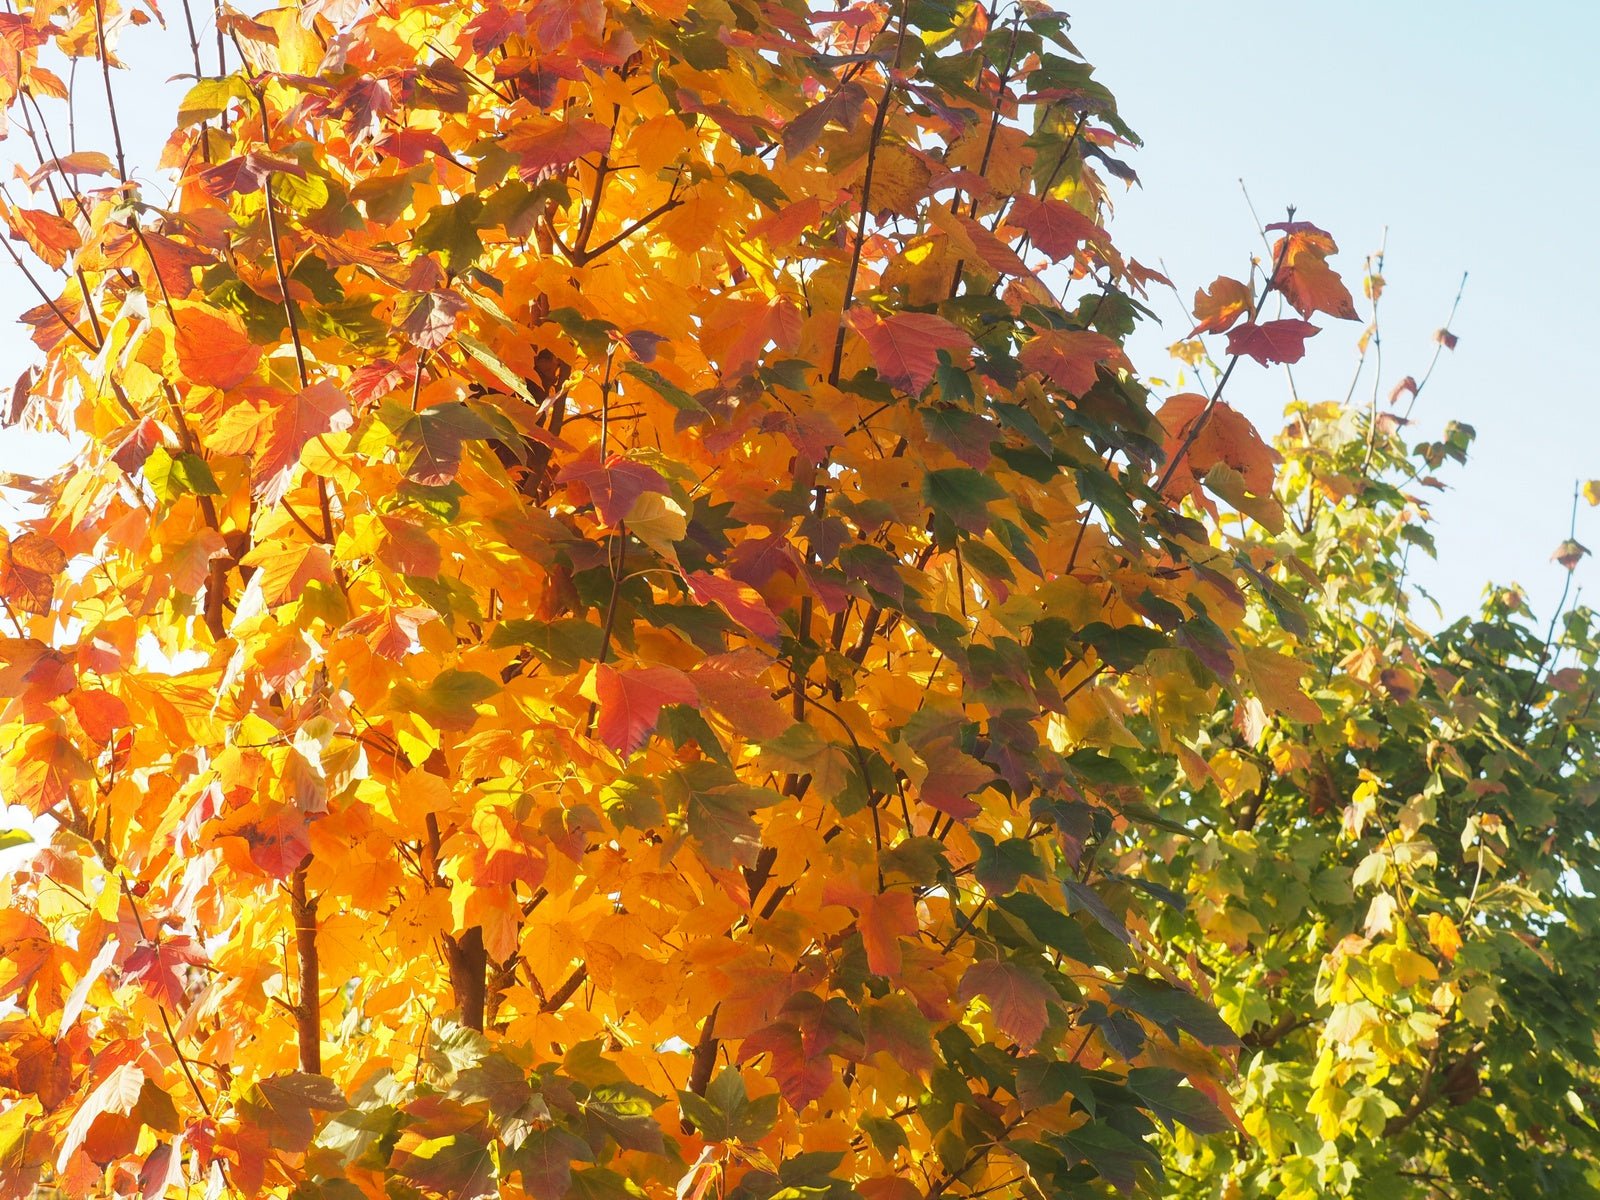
[(1468, 129)]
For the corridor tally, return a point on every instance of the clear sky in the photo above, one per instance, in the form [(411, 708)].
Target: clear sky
[(1472, 132), (1468, 130)]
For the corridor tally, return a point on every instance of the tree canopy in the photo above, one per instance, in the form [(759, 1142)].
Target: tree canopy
[(622, 624)]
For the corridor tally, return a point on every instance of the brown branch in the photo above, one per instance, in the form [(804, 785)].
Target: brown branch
[(468, 963), (105, 74), (562, 994), (879, 120), (308, 1005)]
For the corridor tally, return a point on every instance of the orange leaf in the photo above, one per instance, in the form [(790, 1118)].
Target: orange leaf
[(28, 569), (1070, 357), (212, 347), (1016, 996), (319, 409), (1054, 225), (1218, 308), (1309, 283), (953, 775), (886, 917)]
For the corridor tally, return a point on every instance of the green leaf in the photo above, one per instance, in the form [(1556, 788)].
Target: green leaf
[(963, 495), (1122, 647), (726, 1112), (1172, 1009), (186, 475), (545, 1159), (663, 387), (453, 230), (1169, 1098), (462, 1166), (1001, 865), (493, 363), (624, 1112), (1050, 925), (887, 1136), (447, 702), (1118, 1158), (434, 438), (563, 644), (281, 1106)]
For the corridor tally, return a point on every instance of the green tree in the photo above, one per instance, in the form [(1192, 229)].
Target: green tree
[(1397, 900)]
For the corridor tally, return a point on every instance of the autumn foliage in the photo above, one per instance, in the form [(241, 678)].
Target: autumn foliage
[(614, 612)]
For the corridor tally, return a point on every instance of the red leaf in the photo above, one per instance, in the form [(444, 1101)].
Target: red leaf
[(135, 448), (430, 318), (739, 600), (953, 775), (905, 348), (556, 145), (321, 408), (1272, 341), (1016, 996), (613, 485), (1054, 225), (376, 380), (245, 174), (886, 917), (630, 702), (1070, 357), (158, 967), (801, 1079)]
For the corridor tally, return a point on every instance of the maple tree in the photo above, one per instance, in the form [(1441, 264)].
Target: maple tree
[(591, 642)]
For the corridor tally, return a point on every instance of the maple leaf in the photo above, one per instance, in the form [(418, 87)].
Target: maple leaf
[(160, 966), (29, 565), (542, 147), (428, 319), (435, 438), (1055, 226), (1307, 281), (320, 409), (630, 702), (739, 600), (247, 173), (1070, 357), (1219, 307), (41, 771), (953, 775), (1016, 996), (801, 1077), (905, 347), (886, 917), (212, 347), (1272, 341), (116, 1094), (613, 484), (545, 1161)]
